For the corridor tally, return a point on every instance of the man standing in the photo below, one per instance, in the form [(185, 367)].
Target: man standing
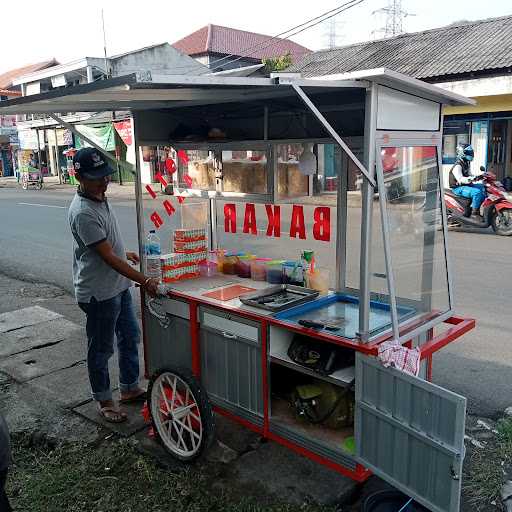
[(102, 278)]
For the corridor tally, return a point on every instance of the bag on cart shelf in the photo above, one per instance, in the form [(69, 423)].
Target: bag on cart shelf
[(319, 356), (324, 403)]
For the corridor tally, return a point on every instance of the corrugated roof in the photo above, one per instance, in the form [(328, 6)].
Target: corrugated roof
[(7, 78), (230, 41), (456, 49)]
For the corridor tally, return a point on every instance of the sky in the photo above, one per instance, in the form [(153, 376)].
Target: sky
[(33, 31)]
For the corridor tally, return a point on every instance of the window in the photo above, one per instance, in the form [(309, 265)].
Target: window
[(244, 171), (454, 133), (196, 169)]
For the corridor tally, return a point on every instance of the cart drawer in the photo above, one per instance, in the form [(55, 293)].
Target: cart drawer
[(177, 308), (229, 325)]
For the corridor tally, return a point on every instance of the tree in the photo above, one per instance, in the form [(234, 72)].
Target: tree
[(274, 64)]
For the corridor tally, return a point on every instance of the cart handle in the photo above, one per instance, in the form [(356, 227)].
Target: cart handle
[(460, 327)]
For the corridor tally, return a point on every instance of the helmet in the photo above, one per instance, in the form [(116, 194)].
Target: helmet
[(465, 152)]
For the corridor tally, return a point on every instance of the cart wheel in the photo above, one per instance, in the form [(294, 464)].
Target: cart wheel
[(181, 413), (39, 186), (24, 185)]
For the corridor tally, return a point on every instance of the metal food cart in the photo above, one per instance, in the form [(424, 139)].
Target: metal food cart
[(231, 156)]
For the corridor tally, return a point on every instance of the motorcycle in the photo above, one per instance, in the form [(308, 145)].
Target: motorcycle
[(496, 210)]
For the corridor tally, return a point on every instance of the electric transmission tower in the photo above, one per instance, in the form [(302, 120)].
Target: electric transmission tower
[(395, 15), (332, 33)]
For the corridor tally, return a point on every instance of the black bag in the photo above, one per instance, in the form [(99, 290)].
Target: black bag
[(507, 184), (320, 356)]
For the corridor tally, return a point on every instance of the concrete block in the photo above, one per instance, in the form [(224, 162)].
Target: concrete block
[(134, 423), (24, 317), (38, 362), (234, 435), (39, 335), (148, 445)]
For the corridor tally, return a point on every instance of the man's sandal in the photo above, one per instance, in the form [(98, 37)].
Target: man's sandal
[(112, 414), (141, 397)]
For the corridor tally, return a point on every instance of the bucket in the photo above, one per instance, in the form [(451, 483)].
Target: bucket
[(391, 501)]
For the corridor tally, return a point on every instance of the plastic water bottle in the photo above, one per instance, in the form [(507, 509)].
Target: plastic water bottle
[(153, 244), (153, 251)]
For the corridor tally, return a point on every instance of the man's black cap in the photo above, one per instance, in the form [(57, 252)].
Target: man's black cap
[(91, 164)]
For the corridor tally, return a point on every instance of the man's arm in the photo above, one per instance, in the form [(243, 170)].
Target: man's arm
[(104, 249), (461, 179)]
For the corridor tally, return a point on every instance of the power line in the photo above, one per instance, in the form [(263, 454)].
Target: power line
[(394, 24), (343, 8)]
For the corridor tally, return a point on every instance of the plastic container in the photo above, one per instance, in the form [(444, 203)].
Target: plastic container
[(259, 269), (229, 265), (293, 273), (153, 246), (274, 272), (318, 280), (243, 266), (153, 266), (208, 268)]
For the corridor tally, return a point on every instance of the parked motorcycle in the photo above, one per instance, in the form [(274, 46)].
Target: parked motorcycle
[(496, 210)]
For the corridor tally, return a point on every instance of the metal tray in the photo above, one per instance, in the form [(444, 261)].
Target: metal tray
[(285, 296)]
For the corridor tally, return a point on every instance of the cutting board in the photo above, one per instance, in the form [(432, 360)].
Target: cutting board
[(229, 292)]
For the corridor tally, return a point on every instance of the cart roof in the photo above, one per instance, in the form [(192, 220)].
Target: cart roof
[(146, 92)]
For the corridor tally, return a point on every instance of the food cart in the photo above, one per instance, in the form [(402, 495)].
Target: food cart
[(346, 167)]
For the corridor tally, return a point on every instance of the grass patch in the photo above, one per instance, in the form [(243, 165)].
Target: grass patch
[(486, 469), (114, 477)]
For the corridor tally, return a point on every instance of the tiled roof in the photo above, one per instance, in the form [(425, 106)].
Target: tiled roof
[(230, 41), (7, 78), (456, 49)]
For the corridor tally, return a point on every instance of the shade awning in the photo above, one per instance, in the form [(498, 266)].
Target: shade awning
[(174, 91)]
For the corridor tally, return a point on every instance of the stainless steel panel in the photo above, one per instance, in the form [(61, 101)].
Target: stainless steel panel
[(234, 325), (256, 419), (231, 370), (410, 433), (177, 308), (167, 347)]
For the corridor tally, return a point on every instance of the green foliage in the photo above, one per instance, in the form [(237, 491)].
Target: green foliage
[(276, 64)]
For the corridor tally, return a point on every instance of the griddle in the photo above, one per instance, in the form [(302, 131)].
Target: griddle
[(279, 297)]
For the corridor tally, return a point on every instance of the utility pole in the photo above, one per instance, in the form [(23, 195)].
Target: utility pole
[(394, 23), (331, 34)]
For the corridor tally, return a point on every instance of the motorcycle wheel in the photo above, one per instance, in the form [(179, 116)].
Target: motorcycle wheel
[(502, 222), (39, 186)]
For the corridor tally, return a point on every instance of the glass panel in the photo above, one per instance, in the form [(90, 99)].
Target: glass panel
[(244, 172), (290, 181), (454, 133), (417, 244), (195, 169)]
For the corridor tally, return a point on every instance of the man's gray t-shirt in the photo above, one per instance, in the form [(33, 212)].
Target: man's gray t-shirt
[(93, 222)]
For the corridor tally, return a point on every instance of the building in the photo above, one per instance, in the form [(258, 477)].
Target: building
[(113, 131), (8, 131), (470, 58), (223, 48)]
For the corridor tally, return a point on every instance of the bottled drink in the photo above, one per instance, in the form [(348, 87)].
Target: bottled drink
[(153, 244)]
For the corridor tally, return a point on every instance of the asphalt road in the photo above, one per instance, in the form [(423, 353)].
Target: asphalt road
[(35, 244)]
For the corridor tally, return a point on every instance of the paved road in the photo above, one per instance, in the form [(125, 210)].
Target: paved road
[(35, 242)]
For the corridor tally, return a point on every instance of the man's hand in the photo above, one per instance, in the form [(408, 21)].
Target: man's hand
[(133, 257), (151, 286)]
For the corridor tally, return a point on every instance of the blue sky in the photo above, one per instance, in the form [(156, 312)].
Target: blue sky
[(32, 31)]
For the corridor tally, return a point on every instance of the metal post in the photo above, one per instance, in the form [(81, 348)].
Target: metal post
[(265, 123), (138, 192), (56, 152), (342, 219), (367, 189), (90, 77)]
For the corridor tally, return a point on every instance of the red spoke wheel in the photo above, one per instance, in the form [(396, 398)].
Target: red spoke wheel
[(181, 413)]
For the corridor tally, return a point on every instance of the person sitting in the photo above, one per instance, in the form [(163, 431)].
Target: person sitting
[(462, 179)]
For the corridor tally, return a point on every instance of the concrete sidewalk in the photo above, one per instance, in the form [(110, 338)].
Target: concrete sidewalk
[(51, 183), (45, 390)]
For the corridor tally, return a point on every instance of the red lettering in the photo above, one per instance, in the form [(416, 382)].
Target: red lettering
[(183, 157), (169, 208), (151, 191), (230, 218), (274, 220), (161, 179), (156, 220), (170, 166), (188, 180), (181, 199), (297, 226), (322, 224), (250, 220)]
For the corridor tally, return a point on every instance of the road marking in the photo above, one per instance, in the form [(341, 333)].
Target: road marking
[(45, 205)]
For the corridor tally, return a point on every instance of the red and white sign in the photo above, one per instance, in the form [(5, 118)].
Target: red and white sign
[(124, 129)]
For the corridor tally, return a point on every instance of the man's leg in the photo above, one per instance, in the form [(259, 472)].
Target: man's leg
[(477, 196), (101, 322), (4, 501), (128, 338)]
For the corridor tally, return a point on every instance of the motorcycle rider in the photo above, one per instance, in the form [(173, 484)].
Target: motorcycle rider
[(462, 179)]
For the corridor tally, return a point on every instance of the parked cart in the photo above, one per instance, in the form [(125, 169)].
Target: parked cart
[(312, 185)]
